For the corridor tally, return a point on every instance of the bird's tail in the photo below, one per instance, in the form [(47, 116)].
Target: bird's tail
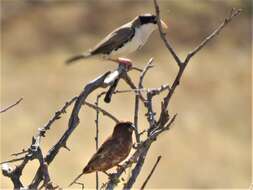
[(74, 181), (78, 57)]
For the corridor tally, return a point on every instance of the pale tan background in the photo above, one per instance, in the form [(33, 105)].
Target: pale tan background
[(210, 143)]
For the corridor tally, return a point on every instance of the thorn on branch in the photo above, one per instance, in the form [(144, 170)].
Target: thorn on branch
[(66, 147)]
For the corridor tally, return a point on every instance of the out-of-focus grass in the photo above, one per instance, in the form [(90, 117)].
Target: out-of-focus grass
[(209, 144)]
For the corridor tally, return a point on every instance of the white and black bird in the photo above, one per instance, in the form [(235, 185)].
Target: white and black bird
[(123, 40)]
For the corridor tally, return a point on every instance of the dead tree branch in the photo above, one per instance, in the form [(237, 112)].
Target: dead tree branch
[(182, 64), (103, 111), (137, 98), (101, 82), (97, 136), (164, 122), (156, 126), (34, 152), (151, 172), (11, 106)]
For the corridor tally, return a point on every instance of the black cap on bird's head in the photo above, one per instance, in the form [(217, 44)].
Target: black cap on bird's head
[(147, 18), (126, 127)]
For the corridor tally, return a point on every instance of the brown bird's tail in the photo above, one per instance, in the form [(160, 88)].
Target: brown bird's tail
[(78, 57), (74, 181)]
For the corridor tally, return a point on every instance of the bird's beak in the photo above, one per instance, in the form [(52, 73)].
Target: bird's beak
[(133, 127), (164, 26)]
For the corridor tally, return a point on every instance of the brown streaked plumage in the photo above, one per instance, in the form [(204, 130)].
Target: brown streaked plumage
[(113, 151)]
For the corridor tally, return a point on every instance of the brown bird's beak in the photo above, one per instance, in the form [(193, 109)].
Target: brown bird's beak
[(164, 26)]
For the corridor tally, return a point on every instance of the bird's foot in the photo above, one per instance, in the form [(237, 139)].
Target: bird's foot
[(127, 62)]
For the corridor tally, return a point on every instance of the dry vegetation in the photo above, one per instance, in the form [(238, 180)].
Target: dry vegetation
[(210, 143)]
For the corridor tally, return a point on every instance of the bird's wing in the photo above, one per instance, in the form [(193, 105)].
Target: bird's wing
[(104, 158), (114, 40), (105, 149)]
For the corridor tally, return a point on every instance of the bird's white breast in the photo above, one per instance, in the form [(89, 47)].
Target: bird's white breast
[(141, 36)]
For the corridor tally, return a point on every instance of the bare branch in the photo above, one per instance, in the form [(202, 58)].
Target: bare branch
[(56, 116), (13, 175), (137, 169), (12, 160), (150, 113), (104, 112), (145, 70), (19, 153), (156, 91), (132, 85), (137, 97), (156, 127), (163, 35), (102, 81), (181, 64), (151, 172), (11, 106), (233, 13), (97, 137)]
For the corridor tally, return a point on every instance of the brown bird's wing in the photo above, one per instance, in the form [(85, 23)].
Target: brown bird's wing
[(108, 155), (114, 40)]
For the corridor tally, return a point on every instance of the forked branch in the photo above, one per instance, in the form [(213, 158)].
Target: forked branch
[(156, 126)]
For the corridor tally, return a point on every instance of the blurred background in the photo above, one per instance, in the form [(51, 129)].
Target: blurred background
[(209, 145)]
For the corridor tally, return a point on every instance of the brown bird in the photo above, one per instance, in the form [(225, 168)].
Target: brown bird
[(113, 151)]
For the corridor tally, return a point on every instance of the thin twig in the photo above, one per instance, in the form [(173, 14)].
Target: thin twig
[(11, 106), (151, 172), (104, 112), (145, 70), (137, 97), (129, 81), (13, 160), (19, 153), (59, 112), (233, 13), (139, 90), (97, 137), (163, 35)]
